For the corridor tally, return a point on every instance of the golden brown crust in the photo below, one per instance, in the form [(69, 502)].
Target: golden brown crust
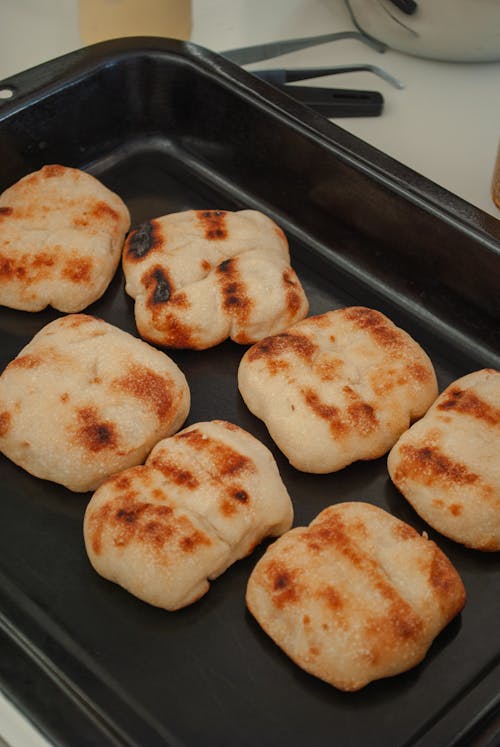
[(272, 348), (337, 387), (61, 235), (466, 402), (447, 464), (356, 596), (149, 388), (204, 499), (430, 466), (85, 399), (198, 277)]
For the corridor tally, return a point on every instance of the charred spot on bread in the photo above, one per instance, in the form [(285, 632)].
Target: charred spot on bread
[(142, 240), (283, 583), (159, 281), (468, 403), (235, 298), (213, 223), (93, 433), (277, 345), (428, 464)]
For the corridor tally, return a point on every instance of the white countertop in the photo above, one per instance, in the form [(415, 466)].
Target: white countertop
[(444, 124)]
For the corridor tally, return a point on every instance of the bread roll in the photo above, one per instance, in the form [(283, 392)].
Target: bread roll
[(204, 499), (84, 400), (337, 387), (201, 276), (356, 596), (61, 237), (448, 464)]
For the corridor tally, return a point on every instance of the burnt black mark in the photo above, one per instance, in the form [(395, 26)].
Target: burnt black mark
[(162, 289), (225, 266), (93, 433), (141, 241), (241, 496), (129, 516), (281, 581)]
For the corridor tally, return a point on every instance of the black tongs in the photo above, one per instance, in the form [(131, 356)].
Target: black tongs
[(331, 102)]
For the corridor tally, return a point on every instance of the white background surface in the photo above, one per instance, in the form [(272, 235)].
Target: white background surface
[(445, 123)]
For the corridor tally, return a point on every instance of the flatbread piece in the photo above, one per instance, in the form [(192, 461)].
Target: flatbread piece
[(337, 387), (61, 237), (356, 596), (85, 399), (448, 464), (201, 276), (204, 499)]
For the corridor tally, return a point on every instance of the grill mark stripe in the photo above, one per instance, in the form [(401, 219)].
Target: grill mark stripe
[(468, 403), (213, 223)]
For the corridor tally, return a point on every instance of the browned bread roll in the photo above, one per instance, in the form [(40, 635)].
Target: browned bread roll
[(204, 499), (85, 399), (201, 276), (356, 596), (61, 237), (337, 387), (448, 464)]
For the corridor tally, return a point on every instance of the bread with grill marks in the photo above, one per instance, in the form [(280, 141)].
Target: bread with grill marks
[(448, 464), (85, 399), (201, 276), (356, 596), (337, 387), (61, 238), (203, 500)]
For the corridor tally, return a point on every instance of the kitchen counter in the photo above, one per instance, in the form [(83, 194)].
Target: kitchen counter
[(444, 122)]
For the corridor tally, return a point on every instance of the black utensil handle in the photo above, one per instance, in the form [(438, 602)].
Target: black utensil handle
[(406, 6), (338, 102)]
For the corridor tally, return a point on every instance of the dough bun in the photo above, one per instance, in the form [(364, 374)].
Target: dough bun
[(201, 276), (356, 596), (337, 387), (61, 238), (204, 499), (448, 464), (85, 399)]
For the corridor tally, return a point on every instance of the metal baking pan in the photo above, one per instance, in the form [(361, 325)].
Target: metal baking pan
[(171, 126)]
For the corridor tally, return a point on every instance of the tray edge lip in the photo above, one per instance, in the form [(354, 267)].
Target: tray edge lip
[(418, 189)]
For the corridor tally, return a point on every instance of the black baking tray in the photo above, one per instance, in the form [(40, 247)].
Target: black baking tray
[(172, 126)]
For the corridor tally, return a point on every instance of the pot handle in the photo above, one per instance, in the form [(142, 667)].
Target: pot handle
[(407, 6)]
